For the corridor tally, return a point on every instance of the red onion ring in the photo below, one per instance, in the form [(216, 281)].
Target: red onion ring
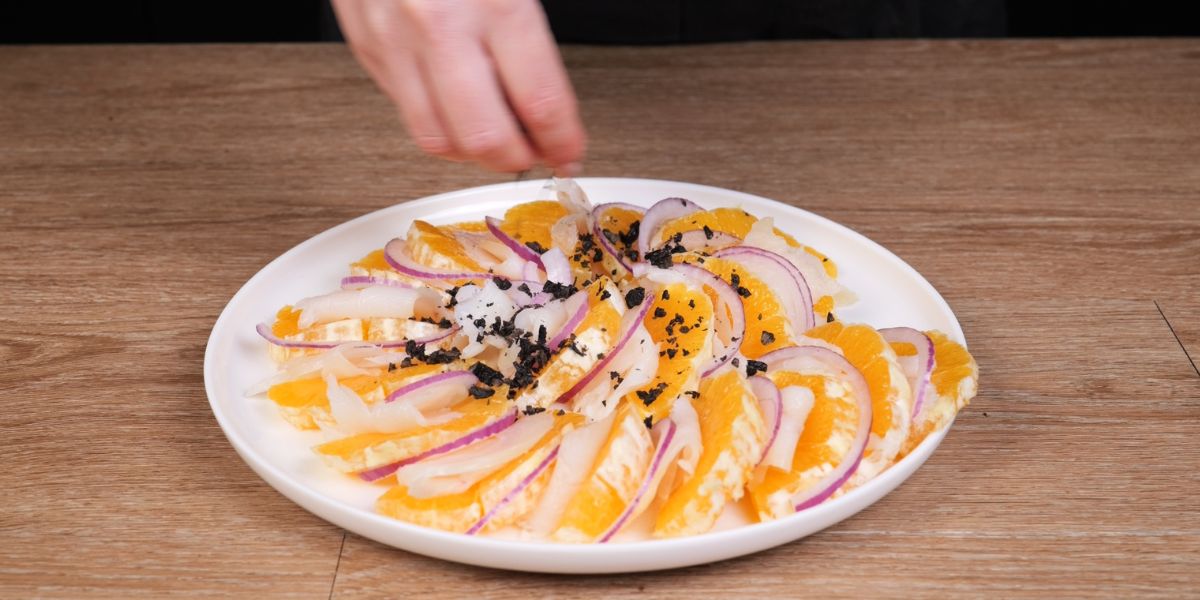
[(823, 360), (664, 210), (355, 282), (771, 402), (771, 268), (569, 327), (265, 331), (417, 386), (529, 479), (396, 257), (606, 245), (525, 252), (655, 465), (924, 347), (622, 341), (731, 301), (486, 431)]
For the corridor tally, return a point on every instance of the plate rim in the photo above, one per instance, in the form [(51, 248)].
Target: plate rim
[(362, 522)]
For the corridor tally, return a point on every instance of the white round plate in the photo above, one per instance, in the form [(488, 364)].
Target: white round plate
[(891, 293)]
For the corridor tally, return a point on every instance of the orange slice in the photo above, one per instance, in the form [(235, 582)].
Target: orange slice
[(592, 340), (826, 439), (615, 478), (460, 512), (304, 403), (732, 434), (428, 245), (891, 397), (532, 221), (767, 325), (365, 451), (955, 380), (680, 323)]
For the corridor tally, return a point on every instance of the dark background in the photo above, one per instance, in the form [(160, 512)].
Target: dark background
[(165, 21)]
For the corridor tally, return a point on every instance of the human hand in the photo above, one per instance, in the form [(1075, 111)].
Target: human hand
[(475, 80)]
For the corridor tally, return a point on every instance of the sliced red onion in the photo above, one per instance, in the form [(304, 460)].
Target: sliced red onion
[(355, 282), (530, 271), (483, 432), (648, 482), (570, 326), (396, 257), (630, 322), (775, 270), (698, 240), (463, 378), (265, 331), (667, 209), (920, 377), (729, 314), (815, 359), (558, 268), (516, 491), (607, 246), (771, 402), (525, 252)]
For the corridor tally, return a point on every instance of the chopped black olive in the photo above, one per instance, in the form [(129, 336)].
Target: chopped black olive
[(480, 323), (536, 247), (691, 304), (648, 421), (630, 236), (666, 295), (767, 337), (391, 367), (693, 393), (708, 232), (735, 280), (659, 312), (502, 283), (755, 366), (635, 297), (453, 293), (671, 352), (486, 374), (737, 362), (743, 292), (660, 257), (829, 318), (605, 294), (558, 290), (533, 410), (479, 391)]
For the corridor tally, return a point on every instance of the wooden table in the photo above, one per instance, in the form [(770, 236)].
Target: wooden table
[(1049, 189)]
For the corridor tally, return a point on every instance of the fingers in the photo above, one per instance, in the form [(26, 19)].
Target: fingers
[(536, 84), (476, 80), (474, 108)]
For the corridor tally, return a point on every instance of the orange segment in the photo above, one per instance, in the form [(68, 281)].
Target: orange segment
[(680, 323), (732, 434), (955, 380), (430, 246), (827, 436), (593, 339), (304, 402), (737, 223), (468, 226), (366, 451), (764, 312), (532, 221), (615, 478), (459, 512), (372, 262), (891, 397)]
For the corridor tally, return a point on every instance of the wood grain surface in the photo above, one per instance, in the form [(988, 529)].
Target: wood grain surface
[(1049, 189)]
